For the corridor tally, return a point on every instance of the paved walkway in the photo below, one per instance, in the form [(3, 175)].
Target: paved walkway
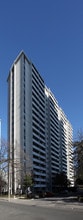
[(63, 202)]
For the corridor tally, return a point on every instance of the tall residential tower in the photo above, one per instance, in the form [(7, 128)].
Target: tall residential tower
[(39, 133)]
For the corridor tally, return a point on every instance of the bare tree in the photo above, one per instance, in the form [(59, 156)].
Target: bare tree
[(78, 158), (14, 165), (3, 165)]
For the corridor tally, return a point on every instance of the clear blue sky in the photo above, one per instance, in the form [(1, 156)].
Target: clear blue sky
[(51, 34)]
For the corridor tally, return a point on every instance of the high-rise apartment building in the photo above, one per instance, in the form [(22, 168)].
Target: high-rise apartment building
[(39, 133)]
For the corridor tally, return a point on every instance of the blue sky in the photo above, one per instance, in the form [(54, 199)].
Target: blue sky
[(51, 34)]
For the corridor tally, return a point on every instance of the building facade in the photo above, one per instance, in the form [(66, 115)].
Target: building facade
[(39, 133)]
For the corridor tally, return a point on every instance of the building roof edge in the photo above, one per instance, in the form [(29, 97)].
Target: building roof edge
[(16, 60)]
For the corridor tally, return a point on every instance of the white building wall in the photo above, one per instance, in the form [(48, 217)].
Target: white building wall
[(66, 134), (21, 111), (70, 165)]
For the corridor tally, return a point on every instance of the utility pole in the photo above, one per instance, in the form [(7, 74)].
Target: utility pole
[(9, 175), (9, 182)]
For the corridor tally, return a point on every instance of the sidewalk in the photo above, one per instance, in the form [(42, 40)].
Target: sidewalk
[(63, 202)]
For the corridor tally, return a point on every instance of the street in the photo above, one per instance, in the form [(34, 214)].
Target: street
[(14, 211)]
